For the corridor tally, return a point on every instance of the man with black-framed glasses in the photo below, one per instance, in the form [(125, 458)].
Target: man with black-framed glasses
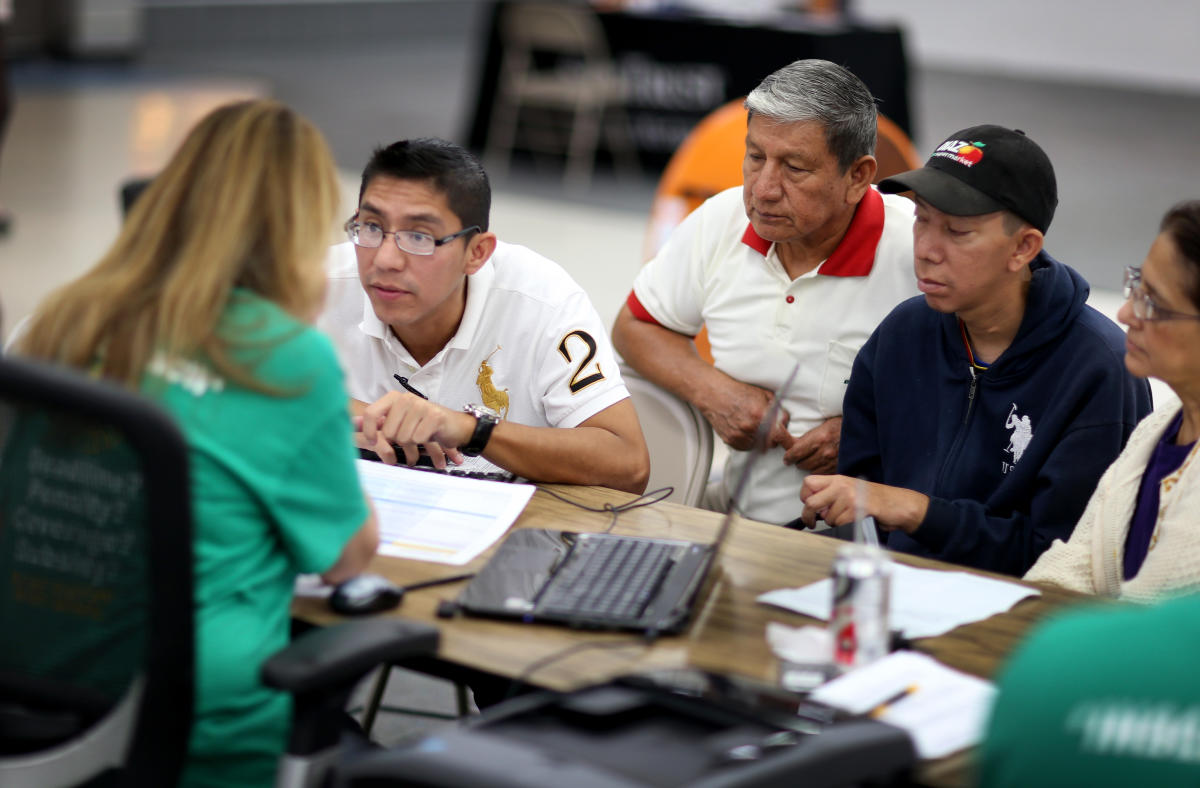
[(457, 345)]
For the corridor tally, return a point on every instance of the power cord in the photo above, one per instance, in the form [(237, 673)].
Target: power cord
[(646, 499), (645, 640), (522, 679)]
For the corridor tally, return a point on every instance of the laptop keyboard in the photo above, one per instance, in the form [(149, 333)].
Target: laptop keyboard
[(608, 579), (496, 475), (487, 476)]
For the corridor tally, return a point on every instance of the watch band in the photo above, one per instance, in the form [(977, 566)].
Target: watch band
[(484, 424)]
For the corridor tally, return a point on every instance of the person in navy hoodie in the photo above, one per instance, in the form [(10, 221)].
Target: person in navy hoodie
[(981, 414)]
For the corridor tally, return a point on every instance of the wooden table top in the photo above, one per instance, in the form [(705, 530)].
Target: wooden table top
[(728, 632)]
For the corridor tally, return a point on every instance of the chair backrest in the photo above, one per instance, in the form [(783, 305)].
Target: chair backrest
[(559, 28), (129, 190), (894, 151), (678, 436), (96, 673)]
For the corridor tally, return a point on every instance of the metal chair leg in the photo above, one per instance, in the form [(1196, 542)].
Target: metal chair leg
[(375, 703), (372, 709), (460, 695)]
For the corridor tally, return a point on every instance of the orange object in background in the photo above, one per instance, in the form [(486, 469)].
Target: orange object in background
[(893, 150), (709, 161)]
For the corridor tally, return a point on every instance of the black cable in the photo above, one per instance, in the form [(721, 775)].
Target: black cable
[(438, 582), (646, 499), (522, 678)]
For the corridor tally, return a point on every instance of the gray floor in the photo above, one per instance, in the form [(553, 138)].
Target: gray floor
[(1122, 156), (408, 692)]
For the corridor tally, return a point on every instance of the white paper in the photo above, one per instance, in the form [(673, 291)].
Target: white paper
[(311, 586), (945, 712), (925, 602), (809, 645), (438, 517)]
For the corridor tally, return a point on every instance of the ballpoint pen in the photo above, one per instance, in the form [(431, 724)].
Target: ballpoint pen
[(408, 386), (882, 707)]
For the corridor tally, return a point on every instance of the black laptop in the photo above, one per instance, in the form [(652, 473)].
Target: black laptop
[(606, 581)]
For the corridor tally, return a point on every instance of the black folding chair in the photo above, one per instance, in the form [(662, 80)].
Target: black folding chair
[(95, 583)]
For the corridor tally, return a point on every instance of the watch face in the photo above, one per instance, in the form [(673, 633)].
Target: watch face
[(485, 420), (481, 410)]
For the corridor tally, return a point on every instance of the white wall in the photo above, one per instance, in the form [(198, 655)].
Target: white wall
[(1133, 43)]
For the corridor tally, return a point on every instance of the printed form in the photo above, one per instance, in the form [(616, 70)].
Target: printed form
[(438, 517)]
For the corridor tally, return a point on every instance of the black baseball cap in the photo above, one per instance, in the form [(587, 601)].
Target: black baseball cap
[(985, 169)]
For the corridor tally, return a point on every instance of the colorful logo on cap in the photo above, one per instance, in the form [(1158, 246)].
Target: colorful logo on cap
[(965, 153)]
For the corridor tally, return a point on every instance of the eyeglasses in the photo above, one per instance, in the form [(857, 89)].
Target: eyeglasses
[(370, 235), (1143, 304)]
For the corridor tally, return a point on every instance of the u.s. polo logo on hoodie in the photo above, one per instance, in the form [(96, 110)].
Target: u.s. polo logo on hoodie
[(1022, 434), (965, 153)]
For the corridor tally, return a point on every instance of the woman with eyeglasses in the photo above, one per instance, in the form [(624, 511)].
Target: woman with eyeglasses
[(204, 303), (1139, 537)]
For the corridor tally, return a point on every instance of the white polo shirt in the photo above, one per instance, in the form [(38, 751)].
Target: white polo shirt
[(530, 344), (715, 271)]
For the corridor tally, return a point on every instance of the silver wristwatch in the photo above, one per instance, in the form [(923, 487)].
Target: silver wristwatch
[(485, 421)]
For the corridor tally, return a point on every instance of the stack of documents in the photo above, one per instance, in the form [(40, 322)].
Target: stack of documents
[(942, 709), (436, 516), (925, 602)]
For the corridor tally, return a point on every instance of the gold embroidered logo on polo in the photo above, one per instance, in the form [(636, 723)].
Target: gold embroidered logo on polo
[(494, 398)]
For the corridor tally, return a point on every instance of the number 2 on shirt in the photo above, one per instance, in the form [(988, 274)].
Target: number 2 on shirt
[(580, 381)]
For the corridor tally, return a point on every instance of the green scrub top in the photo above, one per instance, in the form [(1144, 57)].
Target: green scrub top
[(275, 493)]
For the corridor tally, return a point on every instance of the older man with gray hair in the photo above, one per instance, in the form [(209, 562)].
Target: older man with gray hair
[(798, 265)]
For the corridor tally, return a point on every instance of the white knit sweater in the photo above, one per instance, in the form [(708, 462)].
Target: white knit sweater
[(1092, 561)]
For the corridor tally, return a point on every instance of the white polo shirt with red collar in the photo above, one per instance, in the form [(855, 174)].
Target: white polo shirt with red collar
[(715, 271)]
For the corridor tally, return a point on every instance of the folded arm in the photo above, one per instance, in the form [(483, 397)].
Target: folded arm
[(816, 451), (669, 359), (607, 449)]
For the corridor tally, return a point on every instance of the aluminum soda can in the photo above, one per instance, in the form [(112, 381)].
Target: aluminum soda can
[(862, 584)]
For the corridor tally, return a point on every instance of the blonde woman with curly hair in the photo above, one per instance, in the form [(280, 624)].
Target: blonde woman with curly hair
[(203, 303)]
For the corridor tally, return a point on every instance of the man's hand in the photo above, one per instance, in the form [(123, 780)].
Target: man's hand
[(736, 413), (413, 423), (669, 359), (816, 451), (835, 499)]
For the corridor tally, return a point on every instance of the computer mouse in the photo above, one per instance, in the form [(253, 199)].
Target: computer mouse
[(364, 594)]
